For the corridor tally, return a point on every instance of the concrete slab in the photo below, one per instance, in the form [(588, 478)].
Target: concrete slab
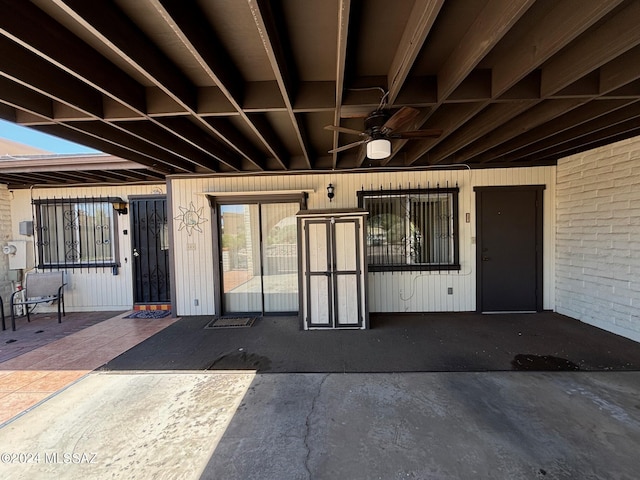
[(160, 425), (238, 425), (434, 426)]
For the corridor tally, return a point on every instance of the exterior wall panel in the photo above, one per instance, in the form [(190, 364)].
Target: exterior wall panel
[(598, 226), (90, 289), (5, 235), (388, 292)]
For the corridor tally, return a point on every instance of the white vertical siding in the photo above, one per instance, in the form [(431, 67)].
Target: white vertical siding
[(91, 289), (388, 292), (5, 235)]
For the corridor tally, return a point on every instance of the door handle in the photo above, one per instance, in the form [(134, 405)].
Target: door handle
[(486, 259), (135, 253)]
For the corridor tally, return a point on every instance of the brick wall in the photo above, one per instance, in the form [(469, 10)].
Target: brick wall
[(598, 237), (5, 234)]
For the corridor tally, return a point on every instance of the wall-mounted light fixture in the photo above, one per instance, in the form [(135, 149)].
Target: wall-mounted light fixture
[(330, 192), (119, 206)]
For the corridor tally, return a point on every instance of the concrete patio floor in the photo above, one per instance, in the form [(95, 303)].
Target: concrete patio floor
[(215, 424)]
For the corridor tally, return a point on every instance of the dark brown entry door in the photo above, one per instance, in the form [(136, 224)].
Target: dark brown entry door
[(509, 248), (150, 242)]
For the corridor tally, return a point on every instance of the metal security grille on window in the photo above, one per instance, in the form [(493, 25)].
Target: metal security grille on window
[(74, 233), (411, 229)]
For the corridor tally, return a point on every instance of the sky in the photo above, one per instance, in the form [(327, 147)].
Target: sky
[(33, 138)]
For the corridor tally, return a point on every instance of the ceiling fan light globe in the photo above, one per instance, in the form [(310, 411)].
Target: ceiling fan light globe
[(378, 149)]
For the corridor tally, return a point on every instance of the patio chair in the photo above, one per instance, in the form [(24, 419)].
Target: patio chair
[(43, 287)]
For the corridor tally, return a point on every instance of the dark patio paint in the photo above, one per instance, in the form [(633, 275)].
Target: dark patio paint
[(458, 342)]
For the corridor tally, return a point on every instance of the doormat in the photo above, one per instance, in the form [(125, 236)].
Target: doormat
[(231, 322), (149, 314)]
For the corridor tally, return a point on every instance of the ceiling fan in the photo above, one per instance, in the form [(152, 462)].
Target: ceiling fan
[(380, 128)]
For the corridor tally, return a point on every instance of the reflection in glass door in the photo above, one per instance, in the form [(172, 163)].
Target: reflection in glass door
[(259, 257)]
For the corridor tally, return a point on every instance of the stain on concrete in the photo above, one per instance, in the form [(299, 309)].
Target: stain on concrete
[(544, 363), (241, 360)]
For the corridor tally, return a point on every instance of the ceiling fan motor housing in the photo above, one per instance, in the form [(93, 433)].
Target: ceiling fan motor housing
[(374, 122)]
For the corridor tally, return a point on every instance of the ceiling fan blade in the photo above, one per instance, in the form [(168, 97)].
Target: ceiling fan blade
[(402, 116), (345, 147), (427, 133), (344, 130)]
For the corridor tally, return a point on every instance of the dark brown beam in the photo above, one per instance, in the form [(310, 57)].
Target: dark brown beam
[(578, 116), (492, 24), (597, 139), (108, 24), (30, 70), (157, 135), (267, 15), (486, 121), (19, 96), (423, 15), (617, 121), (538, 115), (105, 145), (105, 21), (562, 24), (614, 37), (129, 139), (449, 117), (202, 42), (344, 12), (234, 137), (29, 26)]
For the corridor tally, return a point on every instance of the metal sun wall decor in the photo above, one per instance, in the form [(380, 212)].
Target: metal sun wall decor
[(190, 219)]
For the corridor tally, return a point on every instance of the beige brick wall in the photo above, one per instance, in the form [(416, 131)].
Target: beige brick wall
[(598, 237), (5, 234)]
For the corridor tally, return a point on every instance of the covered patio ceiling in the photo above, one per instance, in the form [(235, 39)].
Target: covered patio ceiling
[(224, 86)]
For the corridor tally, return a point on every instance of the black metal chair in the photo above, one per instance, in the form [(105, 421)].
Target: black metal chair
[(42, 287)]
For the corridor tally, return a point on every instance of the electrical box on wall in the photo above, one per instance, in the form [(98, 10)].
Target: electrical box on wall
[(17, 252), (26, 228)]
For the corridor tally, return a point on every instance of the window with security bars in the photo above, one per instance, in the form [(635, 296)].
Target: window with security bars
[(411, 229), (75, 233)]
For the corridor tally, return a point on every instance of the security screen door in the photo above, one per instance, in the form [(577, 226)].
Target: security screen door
[(150, 244)]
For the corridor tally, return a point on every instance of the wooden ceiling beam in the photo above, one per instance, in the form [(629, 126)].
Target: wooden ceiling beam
[(585, 117), (620, 71), (108, 24), (30, 27), (423, 15), (19, 96), (204, 159), (28, 69), (540, 114), (130, 139), (344, 15), (93, 140), (611, 39), (492, 24), (281, 60), (190, 27), (485, 122), (561, 25), (581, 143)]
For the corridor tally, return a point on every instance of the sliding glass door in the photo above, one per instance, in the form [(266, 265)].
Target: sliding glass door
[(259, 257)]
